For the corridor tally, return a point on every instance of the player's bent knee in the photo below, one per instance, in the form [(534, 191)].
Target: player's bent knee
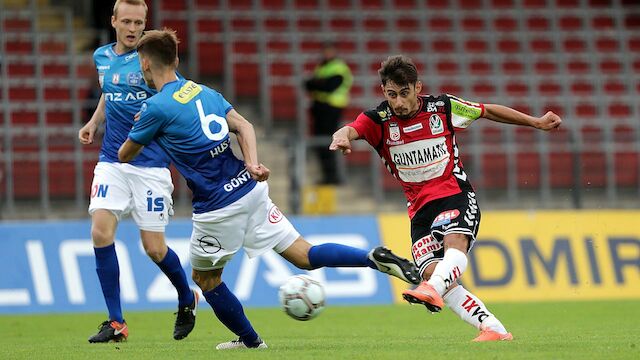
[(207, 280), (156, 254), (101, 237)]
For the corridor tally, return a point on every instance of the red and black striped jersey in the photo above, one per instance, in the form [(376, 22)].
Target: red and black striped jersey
[(421, 152)]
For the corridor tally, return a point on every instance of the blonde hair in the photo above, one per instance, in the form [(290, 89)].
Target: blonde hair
[(160, 45), (130, 2)]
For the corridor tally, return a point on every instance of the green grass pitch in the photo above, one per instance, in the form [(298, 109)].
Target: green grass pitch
[(562, 330)]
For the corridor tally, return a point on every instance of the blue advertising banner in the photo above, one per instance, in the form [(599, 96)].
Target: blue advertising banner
[(50, 267)]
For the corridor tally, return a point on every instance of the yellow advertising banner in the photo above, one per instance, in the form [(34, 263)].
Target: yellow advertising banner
[(540, 256)]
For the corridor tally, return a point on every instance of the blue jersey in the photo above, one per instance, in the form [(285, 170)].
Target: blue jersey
[(124, 91), (188, 121)]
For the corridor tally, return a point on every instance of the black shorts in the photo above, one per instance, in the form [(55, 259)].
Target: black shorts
[(457, 214)]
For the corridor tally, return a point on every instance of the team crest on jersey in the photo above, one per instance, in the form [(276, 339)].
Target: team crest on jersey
[(115, 79), (394, 131), (436, 125), (134, 78)]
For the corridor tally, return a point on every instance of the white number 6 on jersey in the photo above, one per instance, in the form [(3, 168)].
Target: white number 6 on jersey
[(205, 120)]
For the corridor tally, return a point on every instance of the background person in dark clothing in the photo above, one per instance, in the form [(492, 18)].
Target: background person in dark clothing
[(329, 88)]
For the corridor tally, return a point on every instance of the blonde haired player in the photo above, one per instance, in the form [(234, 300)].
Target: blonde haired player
[(142, 188)]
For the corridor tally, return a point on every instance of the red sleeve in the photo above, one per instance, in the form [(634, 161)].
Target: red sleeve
[(367, 129)]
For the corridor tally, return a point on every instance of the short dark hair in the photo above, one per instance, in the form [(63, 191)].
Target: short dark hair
[(160, 45), (399, 69)]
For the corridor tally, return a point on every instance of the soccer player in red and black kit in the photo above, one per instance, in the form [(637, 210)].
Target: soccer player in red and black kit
[(415, 137)]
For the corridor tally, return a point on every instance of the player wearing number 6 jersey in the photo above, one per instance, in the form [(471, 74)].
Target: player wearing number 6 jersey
[(231, 204), (415, 137)]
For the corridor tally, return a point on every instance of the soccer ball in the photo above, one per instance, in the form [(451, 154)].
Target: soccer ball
[(302, 297)]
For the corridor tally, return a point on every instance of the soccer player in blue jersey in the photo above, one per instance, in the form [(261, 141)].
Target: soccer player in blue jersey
[(231, 204), (142, 188)]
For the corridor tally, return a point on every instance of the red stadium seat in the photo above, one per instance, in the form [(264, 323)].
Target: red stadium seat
[(246, 79), (542, 45), (538, 23), (517, 88), (443, 46), (276, 25), (582, 88), (281, 69), (450, 87), (505, 23), (513, 67), (377, 46), (476, 45), (561, 169), (309, 25), (307, 4), (611, 66), (473, 24), (408, 24), (494, 170), (278, 46), (548, 87), (603, 22), (411, 46), (439, 4), (19, 47), (574, 45), (210, 59), (568, 3), (342, 24), (447, 66), (404, 4), (619, 110), (570, 23), (339, 4), (372, 4), (528, 170), (480, 67), (593, 168), (53, 47), (26, 180), (483, 89), (586, 111), (375, 24), (626, 169), (208, 26), (614, 87), (509, 46), (24, 117), (607, 45), (544, 66), (502, 4), (22, 93), (283, 99), (21, 70), (440, 24), (243, 24), (534, 4), (578, 66)]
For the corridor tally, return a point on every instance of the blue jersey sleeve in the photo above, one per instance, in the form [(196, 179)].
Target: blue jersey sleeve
[(224, 104), (147, 127)]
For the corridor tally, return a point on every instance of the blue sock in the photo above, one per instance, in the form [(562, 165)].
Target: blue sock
[(229, 311), (171, 267), (109, 274), (336, 255)]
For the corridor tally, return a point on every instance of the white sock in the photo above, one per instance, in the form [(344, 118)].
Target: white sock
[(471, 309), (448, 270)]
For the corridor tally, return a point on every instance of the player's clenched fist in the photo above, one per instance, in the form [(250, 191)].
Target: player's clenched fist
[(259, 172), (549, 121), (86, 133)]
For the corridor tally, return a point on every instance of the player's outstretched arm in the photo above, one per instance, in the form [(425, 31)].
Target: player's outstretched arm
[(508, 115), (342, 139), (88, 131), (246, 136)]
